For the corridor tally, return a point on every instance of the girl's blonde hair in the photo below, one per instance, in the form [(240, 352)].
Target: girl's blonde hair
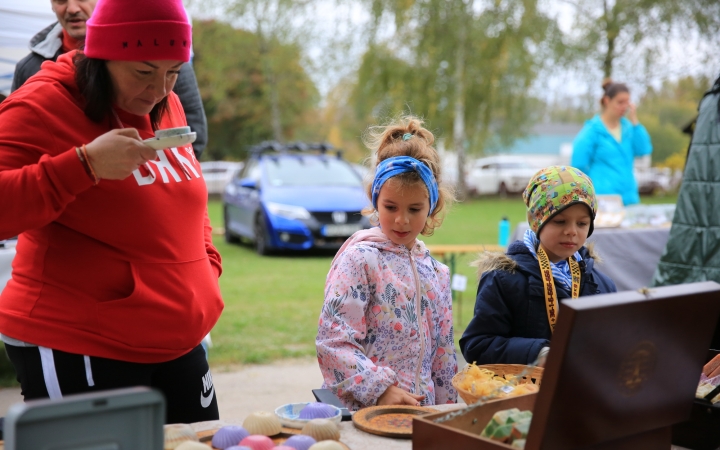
[(387, 142)]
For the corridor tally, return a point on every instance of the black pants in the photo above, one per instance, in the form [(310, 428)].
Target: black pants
[(186, 381)]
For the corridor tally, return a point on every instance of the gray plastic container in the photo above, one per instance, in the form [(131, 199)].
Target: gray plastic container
[(122, 419)]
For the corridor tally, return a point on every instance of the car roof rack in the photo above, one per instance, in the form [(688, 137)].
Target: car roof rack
[(275, 147)]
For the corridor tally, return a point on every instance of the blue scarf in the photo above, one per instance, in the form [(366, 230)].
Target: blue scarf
[(394, 166), (560, 270)]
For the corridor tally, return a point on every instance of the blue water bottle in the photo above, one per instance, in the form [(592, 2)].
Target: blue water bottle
[(504, 232)]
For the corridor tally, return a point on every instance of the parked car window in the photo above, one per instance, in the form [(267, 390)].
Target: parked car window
[(252, 171), (311, 172), (513, 165), (255, 173)]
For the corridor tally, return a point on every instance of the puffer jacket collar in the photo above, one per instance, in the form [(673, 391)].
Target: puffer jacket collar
[(519, 259), (48, 42)]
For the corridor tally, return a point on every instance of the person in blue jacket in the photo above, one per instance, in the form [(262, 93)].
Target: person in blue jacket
[(515, 310), (606, 147)]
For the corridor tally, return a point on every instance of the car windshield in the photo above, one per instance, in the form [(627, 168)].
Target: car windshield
[(310, 171)]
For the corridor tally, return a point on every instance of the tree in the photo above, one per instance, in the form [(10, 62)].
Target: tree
[(639, 28), (667, 110), (273, 23), (464, 65), (234, 83)]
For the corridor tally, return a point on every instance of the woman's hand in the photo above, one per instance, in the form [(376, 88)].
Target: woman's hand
[(117, 153), (396, 396), (632, 114)]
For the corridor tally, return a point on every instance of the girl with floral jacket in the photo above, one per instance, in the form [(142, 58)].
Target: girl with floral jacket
[(385, 334)]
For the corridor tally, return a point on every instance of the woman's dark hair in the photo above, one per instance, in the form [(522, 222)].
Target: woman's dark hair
[(610, 89), (93, 79)]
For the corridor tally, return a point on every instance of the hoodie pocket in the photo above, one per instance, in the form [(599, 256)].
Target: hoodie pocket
[(172, 306)]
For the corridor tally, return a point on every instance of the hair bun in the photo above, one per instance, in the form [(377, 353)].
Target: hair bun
[(606, 83)]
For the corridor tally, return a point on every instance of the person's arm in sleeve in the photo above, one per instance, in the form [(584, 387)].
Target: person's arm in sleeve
[(583, 149), (347, 371), (488, 338), (187, 90), (36, 187), (444, 366), (22, 73), (212, 252), (641, 143)]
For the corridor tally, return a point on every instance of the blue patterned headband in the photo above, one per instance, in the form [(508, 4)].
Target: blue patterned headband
[(401, 164)]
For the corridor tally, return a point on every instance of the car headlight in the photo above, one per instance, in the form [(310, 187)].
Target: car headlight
[(288, 211)]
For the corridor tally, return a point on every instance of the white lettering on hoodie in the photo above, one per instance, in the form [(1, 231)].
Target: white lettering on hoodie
[(164, 167)]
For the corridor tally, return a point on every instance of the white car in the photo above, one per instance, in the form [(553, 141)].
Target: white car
[(652, 180), (217, 174), (502, 174)]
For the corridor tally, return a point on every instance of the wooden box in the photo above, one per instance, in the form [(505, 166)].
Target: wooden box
[(622, 369)]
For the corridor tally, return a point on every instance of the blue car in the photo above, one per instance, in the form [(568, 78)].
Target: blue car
[(294, 197)]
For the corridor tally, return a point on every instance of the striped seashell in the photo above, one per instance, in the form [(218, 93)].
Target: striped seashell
[(300, 442), (258, 442), (191, 445), (262, 422), (321, 430), (228, 436), (176, 434), (327, 445)]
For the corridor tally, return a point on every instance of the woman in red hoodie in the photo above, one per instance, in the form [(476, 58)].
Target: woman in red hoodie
[(115, 279)]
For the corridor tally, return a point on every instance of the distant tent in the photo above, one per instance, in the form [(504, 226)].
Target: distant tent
[(20, 20)]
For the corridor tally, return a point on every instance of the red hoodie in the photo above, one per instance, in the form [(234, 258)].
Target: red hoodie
[(124, 269)]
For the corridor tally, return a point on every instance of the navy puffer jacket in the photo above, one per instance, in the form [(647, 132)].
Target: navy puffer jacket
[(510, 325)]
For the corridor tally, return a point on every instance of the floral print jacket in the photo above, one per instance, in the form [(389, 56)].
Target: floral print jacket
[(375, 330)]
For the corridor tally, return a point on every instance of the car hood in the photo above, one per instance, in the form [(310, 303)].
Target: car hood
[(317, 198)]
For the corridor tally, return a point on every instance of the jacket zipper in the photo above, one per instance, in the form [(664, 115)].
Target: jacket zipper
[(421, 331)]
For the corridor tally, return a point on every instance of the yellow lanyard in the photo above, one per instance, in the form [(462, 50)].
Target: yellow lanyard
[(551, 303)]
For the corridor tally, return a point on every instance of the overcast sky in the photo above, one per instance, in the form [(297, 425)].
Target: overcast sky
[(332, 25)]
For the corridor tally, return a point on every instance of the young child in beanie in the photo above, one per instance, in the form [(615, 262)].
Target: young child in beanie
[(515, 312)]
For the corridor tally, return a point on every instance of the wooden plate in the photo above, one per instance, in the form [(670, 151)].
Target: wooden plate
[(389, 420), (286, 433)]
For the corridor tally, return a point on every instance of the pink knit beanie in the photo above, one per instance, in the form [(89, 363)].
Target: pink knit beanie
[(138, 30)]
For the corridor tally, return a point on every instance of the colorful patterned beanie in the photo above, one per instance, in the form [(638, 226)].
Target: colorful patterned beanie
[(553, 189)]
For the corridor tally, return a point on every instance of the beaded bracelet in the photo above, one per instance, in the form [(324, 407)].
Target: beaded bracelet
[(87, 159), (82, 155)]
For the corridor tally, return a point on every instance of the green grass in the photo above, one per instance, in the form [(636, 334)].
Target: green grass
[(272, 303)]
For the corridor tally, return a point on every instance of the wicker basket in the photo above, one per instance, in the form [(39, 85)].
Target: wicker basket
[(534, 375)]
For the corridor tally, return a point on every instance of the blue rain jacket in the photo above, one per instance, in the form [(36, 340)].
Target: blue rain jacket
[(607, 162)]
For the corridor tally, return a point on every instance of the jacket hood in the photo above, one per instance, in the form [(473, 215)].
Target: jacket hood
[(48, 42), (374, 237), (489, 261), (61, 71), (597, 124)]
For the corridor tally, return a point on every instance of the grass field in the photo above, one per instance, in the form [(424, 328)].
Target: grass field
[(272, 303)]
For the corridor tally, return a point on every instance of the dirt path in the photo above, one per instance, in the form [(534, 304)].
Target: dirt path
[(242, 390)]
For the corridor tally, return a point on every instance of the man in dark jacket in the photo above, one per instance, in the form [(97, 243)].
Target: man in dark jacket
[(519, 292), (68, 33)]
